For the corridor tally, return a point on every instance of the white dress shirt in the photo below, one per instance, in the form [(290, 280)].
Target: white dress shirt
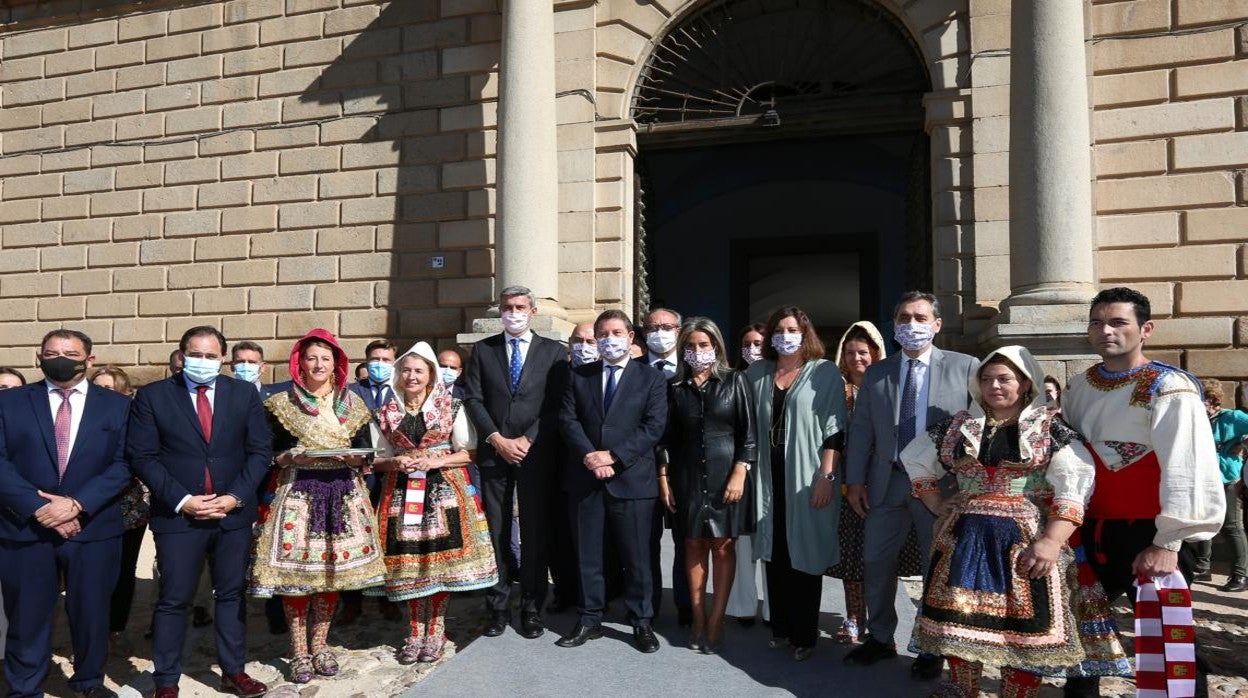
[(193, 390), (619, 375), (920, 405), (526, 341), (77, 403), (670, 369)]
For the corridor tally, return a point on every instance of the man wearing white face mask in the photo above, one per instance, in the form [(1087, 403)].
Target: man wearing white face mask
[(510, 401), (900, 398), (661, 327)]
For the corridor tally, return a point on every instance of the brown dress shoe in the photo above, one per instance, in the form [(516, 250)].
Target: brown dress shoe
[(166, 692), (241, 684)]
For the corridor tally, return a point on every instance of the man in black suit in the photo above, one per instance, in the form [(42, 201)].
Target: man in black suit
[(201, 443), (613, 415), (510, 401)]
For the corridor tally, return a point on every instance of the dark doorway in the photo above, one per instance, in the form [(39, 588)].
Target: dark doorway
[(733, 231)]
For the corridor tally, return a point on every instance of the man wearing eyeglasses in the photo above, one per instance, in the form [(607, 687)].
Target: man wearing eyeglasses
[(661, 328)]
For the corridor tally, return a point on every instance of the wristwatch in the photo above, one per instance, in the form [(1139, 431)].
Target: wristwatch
[(830, 477)]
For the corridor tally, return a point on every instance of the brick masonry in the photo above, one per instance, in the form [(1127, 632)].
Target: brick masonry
[(271, 164)]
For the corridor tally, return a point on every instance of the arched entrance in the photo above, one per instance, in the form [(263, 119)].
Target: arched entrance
[(782, 159)]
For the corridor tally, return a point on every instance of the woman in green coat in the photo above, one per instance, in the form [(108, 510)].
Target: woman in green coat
[(801, 414)]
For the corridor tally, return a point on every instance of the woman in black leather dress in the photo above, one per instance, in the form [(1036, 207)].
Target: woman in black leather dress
[(709, 448)]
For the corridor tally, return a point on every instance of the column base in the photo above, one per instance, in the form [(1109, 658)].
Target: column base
[(1057, 335), (548, 326)]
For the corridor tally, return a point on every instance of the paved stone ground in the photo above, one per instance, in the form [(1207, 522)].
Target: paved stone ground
[(608, 667)]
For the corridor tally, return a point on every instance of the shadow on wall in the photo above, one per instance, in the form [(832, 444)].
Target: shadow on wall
[(414, 137)]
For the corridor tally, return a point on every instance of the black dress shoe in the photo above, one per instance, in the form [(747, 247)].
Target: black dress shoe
[(1202, 577), (645, 640), (497, 625), (927, 667), (96, 692), (870, 652), (580, 635), (531, 625), (684, 617), (1235, 583)]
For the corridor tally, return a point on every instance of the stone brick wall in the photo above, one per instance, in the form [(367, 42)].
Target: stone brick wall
[(1170, 126), (266, 166)]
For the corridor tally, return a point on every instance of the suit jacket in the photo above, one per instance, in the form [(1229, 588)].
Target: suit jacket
[(872, 440), (268, 390), (630, 430), (167, 449), (95, 475), (532, 411)]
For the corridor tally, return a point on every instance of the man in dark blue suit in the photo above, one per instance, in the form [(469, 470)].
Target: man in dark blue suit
[(62, 470), (202, 444), (614, 412)]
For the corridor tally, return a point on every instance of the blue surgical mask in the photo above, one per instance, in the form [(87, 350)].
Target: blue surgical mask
[(449, 375), (380, 371), (201, 371), (583, 353), (247, 372)]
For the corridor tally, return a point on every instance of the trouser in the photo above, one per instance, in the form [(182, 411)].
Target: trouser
[(562, 551), (884, 534), (30, 585), (680, 578), (794, 594), (629, 523), (501, 485), (180, 556), (123, 594), (743, 601), (1111, 546), (1233, 529)]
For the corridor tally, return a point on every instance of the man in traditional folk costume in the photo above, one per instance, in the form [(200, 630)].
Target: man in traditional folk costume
[(1157, 477)]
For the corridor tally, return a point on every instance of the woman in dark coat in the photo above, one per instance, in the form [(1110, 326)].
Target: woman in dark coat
[(704, 474)]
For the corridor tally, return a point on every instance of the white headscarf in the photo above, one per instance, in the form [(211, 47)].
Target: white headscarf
[(425, 352)]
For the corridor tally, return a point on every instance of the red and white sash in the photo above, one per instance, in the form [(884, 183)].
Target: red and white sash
[(1165, 646)]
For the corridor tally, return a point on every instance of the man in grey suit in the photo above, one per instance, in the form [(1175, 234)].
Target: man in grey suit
[(900, 398)]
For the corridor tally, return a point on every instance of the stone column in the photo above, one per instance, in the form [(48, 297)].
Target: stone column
[(1051, 217), (1052, 249), (527, 230)]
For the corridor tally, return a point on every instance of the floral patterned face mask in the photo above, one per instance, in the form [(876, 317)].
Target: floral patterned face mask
[(700, 360)]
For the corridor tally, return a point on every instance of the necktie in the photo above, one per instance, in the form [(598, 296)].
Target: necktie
[(203, 408), (661, 364), (909, 403), (516, 364), (64, 417), (608, 394), (379, 392)]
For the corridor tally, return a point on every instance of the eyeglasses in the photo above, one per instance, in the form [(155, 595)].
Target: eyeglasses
[(656, 328)]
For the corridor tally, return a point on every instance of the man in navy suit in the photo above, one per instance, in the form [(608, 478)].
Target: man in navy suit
[(613, 415), (62, 470), (202, 444)]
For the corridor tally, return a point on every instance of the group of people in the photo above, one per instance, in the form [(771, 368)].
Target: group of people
[(1026, 519)]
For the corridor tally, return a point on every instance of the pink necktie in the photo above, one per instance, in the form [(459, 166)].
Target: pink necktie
[(64, 416)]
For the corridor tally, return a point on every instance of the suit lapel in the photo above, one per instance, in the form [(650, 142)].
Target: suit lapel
[(224, 390), (182, 399), (890, 385), (933, 374), (536, 347), (500, 352), (43, 414)]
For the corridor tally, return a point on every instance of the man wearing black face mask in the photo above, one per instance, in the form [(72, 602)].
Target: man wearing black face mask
[(59, 511)]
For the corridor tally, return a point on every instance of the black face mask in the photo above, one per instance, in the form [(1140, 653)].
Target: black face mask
[(61, 369)]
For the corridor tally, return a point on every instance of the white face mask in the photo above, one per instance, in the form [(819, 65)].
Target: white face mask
[(661, 341), (785, 343), (201, 371), (751, 353), (516, 323), (700, 360), (583, 353), (613, 348), (913, 336), (247, 372)]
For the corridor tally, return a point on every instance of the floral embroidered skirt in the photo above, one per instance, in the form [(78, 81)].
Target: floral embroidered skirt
[(447, 550), (319, 536), (977, 607)]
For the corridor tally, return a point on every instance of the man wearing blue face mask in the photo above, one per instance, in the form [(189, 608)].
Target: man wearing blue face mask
[(201, 443), (900, 398)]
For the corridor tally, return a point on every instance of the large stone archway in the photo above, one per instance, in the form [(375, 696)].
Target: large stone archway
[(607, 45)]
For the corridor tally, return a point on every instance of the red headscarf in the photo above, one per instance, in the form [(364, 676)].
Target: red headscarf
[(300, 393)]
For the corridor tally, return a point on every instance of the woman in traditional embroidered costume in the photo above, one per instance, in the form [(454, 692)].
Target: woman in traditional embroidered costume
[(432, 524), (1003, 585), (318, 537), (861, 346)]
